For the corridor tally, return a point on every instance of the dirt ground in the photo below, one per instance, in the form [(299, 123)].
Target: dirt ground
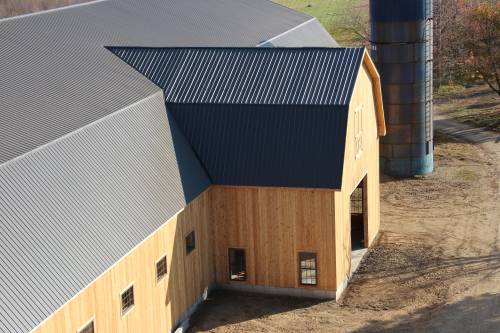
[(436, 267)]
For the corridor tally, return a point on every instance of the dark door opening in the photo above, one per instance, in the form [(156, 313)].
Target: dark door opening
[(358, 215), (237, 265)]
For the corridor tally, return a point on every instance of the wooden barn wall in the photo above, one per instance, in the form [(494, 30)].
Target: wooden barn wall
[(355, 169), (273, 225), (158, 305)]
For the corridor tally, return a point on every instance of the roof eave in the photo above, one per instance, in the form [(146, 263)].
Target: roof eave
[(377, 92)]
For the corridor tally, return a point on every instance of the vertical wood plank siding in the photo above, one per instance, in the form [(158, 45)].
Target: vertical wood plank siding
[(272, 225), (367, 164), (158, 305)]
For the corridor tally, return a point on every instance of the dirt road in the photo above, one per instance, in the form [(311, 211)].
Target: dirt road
[(435, 269)]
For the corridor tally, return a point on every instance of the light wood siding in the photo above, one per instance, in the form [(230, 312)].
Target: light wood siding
[(355, 170), (273, 225), (157, 305)]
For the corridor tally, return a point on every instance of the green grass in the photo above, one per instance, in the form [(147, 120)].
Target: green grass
[(477, 105), (446, 89), (329, 12)]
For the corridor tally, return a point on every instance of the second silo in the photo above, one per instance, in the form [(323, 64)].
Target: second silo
[(401, 37)]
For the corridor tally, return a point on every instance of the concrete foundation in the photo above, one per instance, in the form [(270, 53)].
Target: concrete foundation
[(295, 292)]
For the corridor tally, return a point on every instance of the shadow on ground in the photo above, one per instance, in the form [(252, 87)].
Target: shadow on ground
[(477, 314), (224, 308)]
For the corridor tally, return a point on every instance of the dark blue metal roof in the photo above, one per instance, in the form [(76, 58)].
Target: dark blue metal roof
[(278, 76), (258, 117), (265, 145)]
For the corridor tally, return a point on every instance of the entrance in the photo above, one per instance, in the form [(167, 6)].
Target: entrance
[(359, 219), (358, 216)]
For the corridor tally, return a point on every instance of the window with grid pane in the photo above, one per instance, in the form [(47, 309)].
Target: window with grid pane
[(237, 265), (308, 268), (89, 328), (161, 268), (127, 299)]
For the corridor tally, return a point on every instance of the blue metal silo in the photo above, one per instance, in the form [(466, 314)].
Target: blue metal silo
[(401, 39)]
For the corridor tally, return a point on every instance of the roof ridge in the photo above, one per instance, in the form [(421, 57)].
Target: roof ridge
[(79, 129)]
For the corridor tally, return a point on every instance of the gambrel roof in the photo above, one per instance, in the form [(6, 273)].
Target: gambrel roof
[(58, 76), (90, 161), (259, 116)]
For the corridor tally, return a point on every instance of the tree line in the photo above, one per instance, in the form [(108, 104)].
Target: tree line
[(466, 44)]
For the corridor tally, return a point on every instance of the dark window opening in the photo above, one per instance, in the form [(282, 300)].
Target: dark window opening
[(358, 207), (190, 242), (161, 268), (127, 300), (308, 268), (89, 328), (237, 265)]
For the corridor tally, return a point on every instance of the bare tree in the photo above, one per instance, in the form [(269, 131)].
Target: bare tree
[(482, 44), (353, 21)]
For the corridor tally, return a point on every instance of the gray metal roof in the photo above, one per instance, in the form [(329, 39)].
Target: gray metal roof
[(90, 161), (258, 116), (72, 209), (57, 76), (279, 76)]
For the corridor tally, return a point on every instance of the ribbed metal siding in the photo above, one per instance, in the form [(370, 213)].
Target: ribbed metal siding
[(267, 145), (277, 76), (401, 34), (57, 76), (70, 210)]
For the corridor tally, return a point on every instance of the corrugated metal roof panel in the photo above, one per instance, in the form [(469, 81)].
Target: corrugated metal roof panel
[(71, 209), (307, 34), (57, 75), (266, 145), (277, 76), (258, 116)]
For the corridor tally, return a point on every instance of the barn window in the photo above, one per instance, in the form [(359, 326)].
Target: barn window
[(87, 328), (358, 131), (237, 265), (308, 268), (127, 299), (161, 268), (190, 242)]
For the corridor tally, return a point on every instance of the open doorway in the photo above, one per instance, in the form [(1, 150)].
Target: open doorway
[(358, 207)]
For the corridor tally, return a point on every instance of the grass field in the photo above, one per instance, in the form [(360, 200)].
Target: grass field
[(478, 105), (330, 13)]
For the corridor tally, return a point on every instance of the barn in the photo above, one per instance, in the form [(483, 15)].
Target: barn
[(150, 153)]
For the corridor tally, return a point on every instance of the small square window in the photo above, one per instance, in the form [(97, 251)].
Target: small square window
[(237, 265), (88, 328), (161, 268), (127, 300), (190, 242), (307, 268)]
